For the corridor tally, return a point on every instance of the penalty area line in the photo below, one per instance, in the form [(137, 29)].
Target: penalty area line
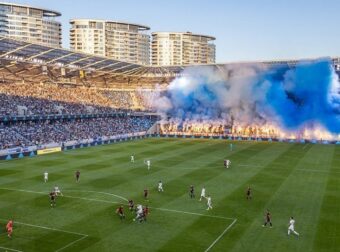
[(191, 213), (83, 236), (220, 236), (304, 147), (47, 228), (104, 193), (72, 243), (114, 202), (9, 249)]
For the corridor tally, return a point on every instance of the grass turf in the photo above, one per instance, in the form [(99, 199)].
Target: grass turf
[(289, 179)]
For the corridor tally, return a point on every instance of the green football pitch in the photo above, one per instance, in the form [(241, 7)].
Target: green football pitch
[(300, 180)]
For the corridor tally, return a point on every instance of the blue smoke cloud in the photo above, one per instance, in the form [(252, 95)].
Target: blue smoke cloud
[(303, 96), (291, 97)]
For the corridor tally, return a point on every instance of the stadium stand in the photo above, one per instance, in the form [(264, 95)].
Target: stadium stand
[(56, 95), (30, 133), (49, 99)]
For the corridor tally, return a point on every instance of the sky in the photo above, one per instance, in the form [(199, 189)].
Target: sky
[(245, 30)]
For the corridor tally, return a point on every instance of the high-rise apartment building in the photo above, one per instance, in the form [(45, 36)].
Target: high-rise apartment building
[(30, 24), (182, 48), (117, 40)]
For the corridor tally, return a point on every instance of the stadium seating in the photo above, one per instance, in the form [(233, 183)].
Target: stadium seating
[(49, 99), (29, 133), (53, 113)]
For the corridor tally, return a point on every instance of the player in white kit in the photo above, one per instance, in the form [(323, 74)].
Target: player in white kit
[(148, 163), (45, 176), (132, 158), (139, 212), (160, 186), (57, 191), (228, 163), (291, 226), (209, 202), (202, 193)]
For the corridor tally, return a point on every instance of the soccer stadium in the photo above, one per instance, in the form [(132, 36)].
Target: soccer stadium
[(104, 154)]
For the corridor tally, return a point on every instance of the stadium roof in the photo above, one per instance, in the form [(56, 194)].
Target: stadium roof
[(17, 50), (20, 51), (24, 51)]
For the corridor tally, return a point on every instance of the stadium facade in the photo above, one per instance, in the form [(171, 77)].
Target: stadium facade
[(113, 39), (182, 48), (30, 24)]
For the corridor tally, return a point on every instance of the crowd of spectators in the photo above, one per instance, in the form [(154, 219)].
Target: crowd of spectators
[(28, 133), (25, 99), (119, 99), (49, 99)]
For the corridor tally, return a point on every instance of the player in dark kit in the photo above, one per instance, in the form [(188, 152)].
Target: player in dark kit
[(145, 212), (146, 193), (120, 212), (248, 193), (225, 163), (52, 196), (268, 219), (77, 176), (9, 228), (131, 205), (192, 192)]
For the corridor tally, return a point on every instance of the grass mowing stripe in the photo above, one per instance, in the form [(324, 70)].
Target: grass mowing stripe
[(43, 227), (221, 235), (83, 236), (284, 176), (105, 193), (109, 202), (79, 165), (71, 243), (203, 179), (328, 231), (290, 200), (265, 186), (178, 177), (134, 176), (202, 176)]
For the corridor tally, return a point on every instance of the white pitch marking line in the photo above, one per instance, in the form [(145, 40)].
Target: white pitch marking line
[(191, 213), (20, 190), (249, 165), (65, 196), (111, 194), (113, 202), (95, 200), (83, 236), (10, 249), (221, 235), (48, 228), (105, 193), (298, 169), (315, 170), (71, 243)]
